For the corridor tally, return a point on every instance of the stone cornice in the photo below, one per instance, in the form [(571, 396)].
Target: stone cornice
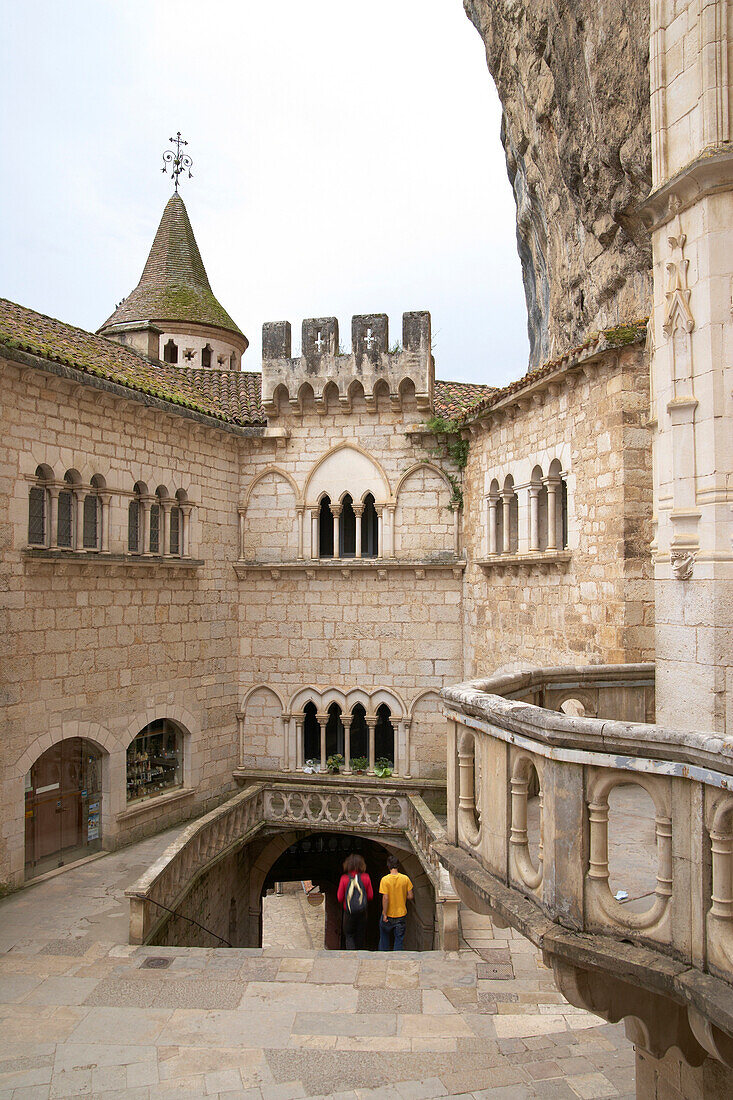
[(710, 174), (100, 559), (380, 566)]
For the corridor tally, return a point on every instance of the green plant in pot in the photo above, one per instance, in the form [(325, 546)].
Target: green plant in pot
[(359, 764), (383, 767), (335, 763)]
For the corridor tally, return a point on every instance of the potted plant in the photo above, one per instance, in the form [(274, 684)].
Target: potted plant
[(383, 767), (335, 763), (359, 764)]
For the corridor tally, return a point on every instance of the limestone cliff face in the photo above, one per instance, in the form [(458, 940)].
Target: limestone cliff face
[(573, 79)]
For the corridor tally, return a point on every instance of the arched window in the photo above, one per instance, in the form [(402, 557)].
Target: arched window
[(65, 536), (359, 736), (369, 529), (384, 735), (38, 507), (510, 535), (170, 352), (347, 530), (154, 760), (134, 519), (311, 734), (155, 522), (334, 731), (206, 355), (93, 515), (325, 529), (176, 530)]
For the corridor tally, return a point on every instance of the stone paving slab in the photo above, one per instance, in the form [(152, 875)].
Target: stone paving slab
[(78, 1017)]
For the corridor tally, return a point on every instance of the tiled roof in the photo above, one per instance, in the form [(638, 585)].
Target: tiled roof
[(452, 399), (631, 332), (174, 285), (233, 396)]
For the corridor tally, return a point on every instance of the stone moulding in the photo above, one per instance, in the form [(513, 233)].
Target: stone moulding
[(665, 969), (710, 174), (102, 560), (539, 558), (245, 569)]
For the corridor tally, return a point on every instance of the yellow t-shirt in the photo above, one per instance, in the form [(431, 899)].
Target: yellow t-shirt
[(396, 888)]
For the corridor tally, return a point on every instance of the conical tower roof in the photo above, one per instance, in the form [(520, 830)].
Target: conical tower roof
[(174, 286)]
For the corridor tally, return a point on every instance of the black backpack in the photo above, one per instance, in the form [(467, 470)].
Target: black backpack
[(356, 897)]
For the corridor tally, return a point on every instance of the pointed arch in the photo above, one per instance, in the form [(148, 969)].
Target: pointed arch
[(347, 467), (278, 470), (416, 466)]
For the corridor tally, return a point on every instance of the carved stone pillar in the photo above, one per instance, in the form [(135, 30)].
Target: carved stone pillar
[(391, 509), (406, 762), (298, 742), (380, 531), (240, 730), (80, 495), (336, 513), (346, 723), (534, 517), (322, 723), (165, 534), (242, 516), (186, 510), (456, 531), (144, 536), (104, 506), (285, 719), (492, 502), (371, 722), (358, 512), (315, 513), (301, 517), (53, 517), (553, 485)]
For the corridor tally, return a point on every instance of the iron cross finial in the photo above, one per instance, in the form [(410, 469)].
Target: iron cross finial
[(177, 162)]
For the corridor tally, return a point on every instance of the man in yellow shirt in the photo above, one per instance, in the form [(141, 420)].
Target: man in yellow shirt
[(396, 891)]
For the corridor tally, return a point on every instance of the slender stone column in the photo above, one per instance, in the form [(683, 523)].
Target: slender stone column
[(315, 512), (506, 502), (104, 506), (407, 773), (346, 722), (553, 485), (285, 719), (80, 495), (299, 741), (301, 517), (144, 528), (242, 517), (186, 530), (336, 513), (456, 531), (493, 501), (322, 723), (165, 535), (358, 512), (53, 517), (391, 508), (240, 730), (371, 721), (534, 517), (380, 530)]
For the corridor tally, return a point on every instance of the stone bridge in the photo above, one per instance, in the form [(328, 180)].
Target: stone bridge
[(273, 812), (540, 861)]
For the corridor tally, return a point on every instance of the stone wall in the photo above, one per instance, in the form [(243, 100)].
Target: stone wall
[(596, 606), (98, 648)]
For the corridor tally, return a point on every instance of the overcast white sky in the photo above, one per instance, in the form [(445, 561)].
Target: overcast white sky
[(346, 160)]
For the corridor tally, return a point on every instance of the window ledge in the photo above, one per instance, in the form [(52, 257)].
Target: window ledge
[(345, 566), (99, 557), (548, 558), (159, 802)]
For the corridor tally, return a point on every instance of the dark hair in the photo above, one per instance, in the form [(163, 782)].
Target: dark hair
[(393, 863), (354, 862)]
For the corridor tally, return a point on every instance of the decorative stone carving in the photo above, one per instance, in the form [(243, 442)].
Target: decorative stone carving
[(683, 563), (677, 312)]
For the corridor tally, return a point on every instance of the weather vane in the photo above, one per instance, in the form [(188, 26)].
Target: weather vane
[(177, 162)]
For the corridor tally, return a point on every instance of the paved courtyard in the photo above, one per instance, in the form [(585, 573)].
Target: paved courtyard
[(84, 1015)]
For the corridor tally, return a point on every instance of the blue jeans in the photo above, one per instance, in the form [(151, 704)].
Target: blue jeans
[(388, 926)]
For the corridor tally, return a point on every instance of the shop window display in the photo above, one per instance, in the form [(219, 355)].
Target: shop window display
[(154, 761)]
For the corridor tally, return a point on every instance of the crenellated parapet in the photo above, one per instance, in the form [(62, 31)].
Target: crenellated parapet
[(325, 375)]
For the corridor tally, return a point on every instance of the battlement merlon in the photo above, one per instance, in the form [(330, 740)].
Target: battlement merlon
[(371, 366)]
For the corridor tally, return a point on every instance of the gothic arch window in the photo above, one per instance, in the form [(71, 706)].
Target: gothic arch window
[(311, 733), (134, 520), (359, 733), (347, 528), (65, 533), (38, 507), (92, 533), (334, 731), (510, 533), (206, 353), (325, 529), (170, 352), (156, 521), (384, 735), (369, 529)]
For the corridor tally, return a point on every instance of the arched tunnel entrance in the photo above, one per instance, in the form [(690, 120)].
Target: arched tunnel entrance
[(224, 906)]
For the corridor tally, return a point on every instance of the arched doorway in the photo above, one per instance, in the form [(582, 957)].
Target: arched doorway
[(63, 806)]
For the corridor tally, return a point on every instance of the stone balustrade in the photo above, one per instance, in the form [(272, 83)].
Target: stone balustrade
[(282, 806), (529, 842)]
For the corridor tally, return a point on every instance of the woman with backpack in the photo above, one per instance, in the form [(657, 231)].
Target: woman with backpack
[(355, 892)]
